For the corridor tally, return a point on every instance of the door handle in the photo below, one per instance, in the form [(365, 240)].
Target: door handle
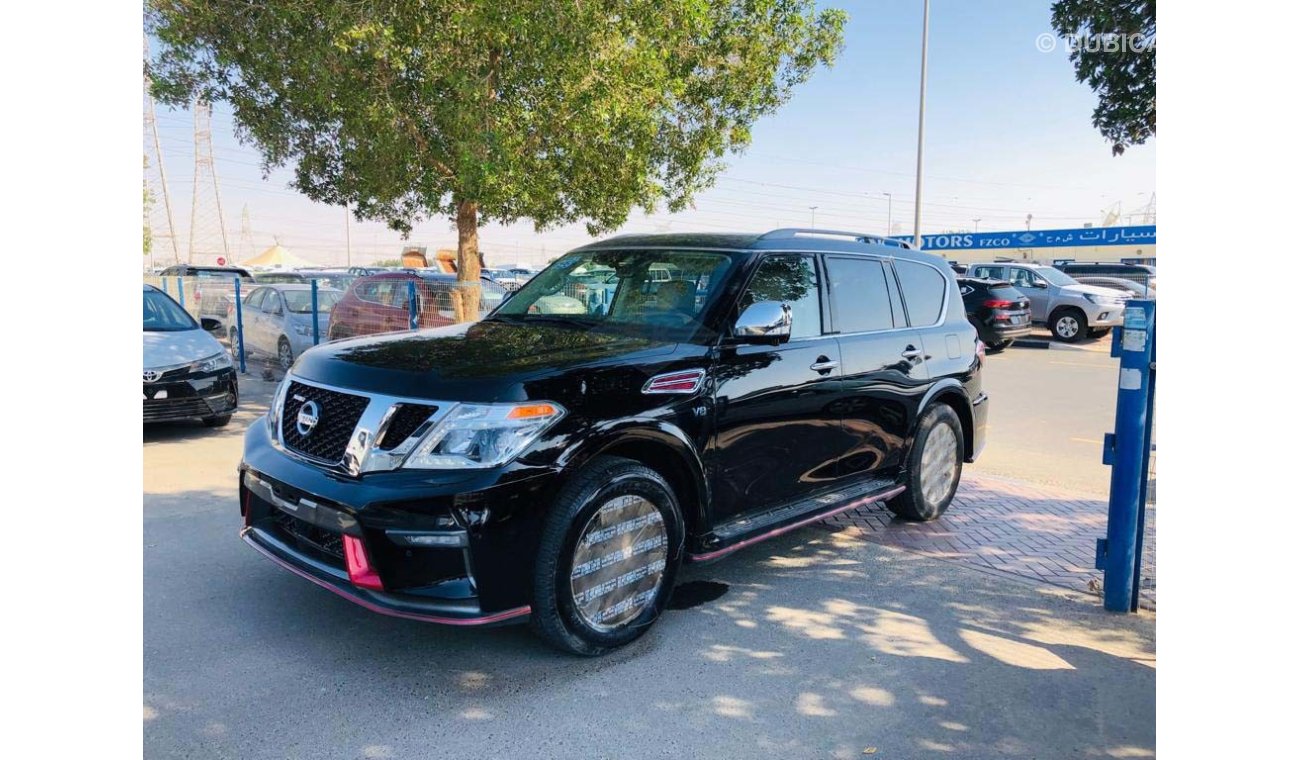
[(823, 364), (911, 352)]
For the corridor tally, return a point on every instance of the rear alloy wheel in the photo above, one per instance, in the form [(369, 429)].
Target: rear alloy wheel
[(1069, 325), (608, 557), (933, 466), (284, 354)]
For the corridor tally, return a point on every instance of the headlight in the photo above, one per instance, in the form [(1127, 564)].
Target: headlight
[(1106, 300), (212, 363), (277, 406), (483, 435)]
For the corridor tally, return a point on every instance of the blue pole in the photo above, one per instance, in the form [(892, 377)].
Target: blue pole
[(410, 302), (180, 288), (315, 315), (1124, 452), (239, 327), (1146, 481), (164, 284)]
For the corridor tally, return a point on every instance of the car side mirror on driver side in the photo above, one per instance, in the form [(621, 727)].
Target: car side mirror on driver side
[(764, 322)]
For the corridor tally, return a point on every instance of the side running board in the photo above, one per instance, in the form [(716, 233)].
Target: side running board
[(750, 530)]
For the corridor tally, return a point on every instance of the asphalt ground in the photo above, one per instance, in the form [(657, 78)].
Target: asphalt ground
[(1049, 412), (812, 645)]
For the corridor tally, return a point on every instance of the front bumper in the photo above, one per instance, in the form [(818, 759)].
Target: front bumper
[(1105, 315), (191, 396), (449, 547)]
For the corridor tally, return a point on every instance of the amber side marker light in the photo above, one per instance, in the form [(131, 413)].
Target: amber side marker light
[(530, 411)]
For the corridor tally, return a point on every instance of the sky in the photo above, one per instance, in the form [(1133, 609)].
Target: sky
[(1008, 133)]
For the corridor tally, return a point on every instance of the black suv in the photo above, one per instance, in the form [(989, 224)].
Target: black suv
[(560, 467), (999, 311)]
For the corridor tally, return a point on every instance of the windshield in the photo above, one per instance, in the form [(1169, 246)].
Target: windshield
[(661, 294), (162, 314), (299, 301), (1055, 276)]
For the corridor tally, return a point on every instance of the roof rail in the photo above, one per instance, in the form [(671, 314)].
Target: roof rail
[(789, 232)]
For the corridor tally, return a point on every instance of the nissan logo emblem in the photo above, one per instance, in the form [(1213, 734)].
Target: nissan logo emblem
[(308, 416)]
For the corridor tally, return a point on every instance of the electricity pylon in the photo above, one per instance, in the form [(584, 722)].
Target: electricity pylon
[(202, 208), (155, 178)]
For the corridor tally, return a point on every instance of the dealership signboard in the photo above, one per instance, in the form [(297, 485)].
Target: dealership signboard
[(1074, 238)]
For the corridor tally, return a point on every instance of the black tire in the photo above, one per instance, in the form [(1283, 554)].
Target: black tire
[(284, 354), (913, 503), (1098, 332), (234, 343), (556, 615), (1068, 324), (220, 421), (997, 347)]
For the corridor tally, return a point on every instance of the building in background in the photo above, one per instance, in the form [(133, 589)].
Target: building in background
[(1132, 244)]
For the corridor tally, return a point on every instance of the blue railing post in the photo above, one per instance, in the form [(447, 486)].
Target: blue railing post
[(180, 289), (239, 327), (315, 315), (1126, 451), (411, 305)]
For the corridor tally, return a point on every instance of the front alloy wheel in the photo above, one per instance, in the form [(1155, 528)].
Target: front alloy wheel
[(619, 563), (608, 556), (1069, 325), (285, 354)]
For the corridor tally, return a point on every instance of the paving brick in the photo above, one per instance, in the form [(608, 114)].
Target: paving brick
[(1034, 531)]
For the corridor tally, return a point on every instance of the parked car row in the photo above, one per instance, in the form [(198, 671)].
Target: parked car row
[(1071, 310)]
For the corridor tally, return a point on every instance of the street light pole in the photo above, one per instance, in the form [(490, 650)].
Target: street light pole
[(813, 221), (977, 223), (920, 125), (889, 217)]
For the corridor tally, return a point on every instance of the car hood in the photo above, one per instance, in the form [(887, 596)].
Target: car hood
[(170, 349), (1094, 290), (481, 362)]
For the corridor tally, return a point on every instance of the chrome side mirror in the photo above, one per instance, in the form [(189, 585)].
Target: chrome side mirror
[(764, 322)]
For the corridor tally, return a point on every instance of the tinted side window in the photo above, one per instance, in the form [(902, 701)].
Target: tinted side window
[(994, 273), (1022, 278), (792, 280), (272, 303), (859, 295), (923, 291)]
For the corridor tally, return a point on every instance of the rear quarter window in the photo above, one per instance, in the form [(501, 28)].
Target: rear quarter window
[(1009, 294), (923, 291)]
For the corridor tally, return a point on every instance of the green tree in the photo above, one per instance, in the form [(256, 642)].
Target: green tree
[(481, 110), (1105, 58), (387, 263)]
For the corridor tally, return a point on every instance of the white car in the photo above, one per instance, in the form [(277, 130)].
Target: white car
[(188, 374)]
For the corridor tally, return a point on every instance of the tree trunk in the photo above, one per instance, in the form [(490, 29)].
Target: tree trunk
[(468, 262)]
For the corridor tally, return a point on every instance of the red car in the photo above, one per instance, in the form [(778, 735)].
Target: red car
[(380, 303)]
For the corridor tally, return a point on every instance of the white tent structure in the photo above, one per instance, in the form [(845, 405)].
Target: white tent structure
[(275, 257)]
